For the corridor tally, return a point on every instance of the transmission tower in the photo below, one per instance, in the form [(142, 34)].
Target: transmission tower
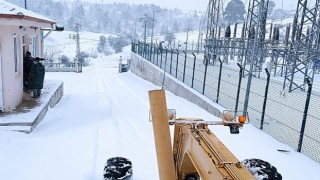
[(214, 13), (304, 49), (255, 32)]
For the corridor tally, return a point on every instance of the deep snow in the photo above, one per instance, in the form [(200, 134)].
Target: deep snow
[(104, 114)]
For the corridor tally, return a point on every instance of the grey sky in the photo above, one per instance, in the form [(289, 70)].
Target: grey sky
[(200, 5)]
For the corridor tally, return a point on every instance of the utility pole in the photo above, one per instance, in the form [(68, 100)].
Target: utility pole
[(153, 23), (78, 48), (145, 35), (76, 37), (145, 30), (25, 4), (152, 27), (135, 30), (187, 39)]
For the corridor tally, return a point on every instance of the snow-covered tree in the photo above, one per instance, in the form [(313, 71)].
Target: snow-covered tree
[(170, 37), (117, 43), (114, 18), (102, 44), (65, 60), (176, 26), (234, 11), (271, 6)]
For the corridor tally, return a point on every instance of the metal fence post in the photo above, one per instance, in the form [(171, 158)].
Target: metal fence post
[(184, 66), (165, 62), (171, 60), (194, 67), (160, 58), (177, 63), (145, 54), (157, 56), (150, 51), (239, 86), (305, 113), (265, 99), (140, 48), (146, 51), (219, 81), (205, 74), (154, 53), (135, 48)]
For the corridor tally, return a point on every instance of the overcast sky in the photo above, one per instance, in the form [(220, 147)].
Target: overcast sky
[(200, 5)]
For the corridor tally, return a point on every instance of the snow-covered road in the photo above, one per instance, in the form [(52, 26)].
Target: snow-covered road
[(101, 115)]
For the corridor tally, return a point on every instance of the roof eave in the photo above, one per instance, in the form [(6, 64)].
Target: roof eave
[(23, 17)]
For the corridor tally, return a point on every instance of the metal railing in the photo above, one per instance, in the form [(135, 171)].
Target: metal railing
[(292, 118)]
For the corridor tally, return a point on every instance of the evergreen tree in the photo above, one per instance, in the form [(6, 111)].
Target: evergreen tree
[(170, 37), (65, 60), (71, 23), (115, 18), (164, 29), (117, 43), (102, 44), (234, 11), (176, 26), (271, 6), (83, 56)]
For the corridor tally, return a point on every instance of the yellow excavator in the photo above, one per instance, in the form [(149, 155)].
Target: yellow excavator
[(197, 153)]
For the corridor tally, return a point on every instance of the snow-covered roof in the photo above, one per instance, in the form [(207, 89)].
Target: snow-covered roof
[(9, 10)]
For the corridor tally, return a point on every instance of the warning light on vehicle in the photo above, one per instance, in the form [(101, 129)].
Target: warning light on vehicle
[(242, 119)]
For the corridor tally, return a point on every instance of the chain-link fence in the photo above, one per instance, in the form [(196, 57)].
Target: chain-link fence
[(292, 118)]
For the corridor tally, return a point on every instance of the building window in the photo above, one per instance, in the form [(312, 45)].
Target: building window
[(23, 46), (15, 51), (34, 47)]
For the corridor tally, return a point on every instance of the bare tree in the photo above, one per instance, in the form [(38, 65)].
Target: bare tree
[(51, 53)]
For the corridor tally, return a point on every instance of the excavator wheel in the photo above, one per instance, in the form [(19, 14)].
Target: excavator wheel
[(192, 177), (118, 168), (262, 169)]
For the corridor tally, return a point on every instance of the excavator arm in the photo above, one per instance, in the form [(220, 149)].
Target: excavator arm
[(196, 153)]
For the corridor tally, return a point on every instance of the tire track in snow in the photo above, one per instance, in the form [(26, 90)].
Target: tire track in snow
[(115, 117), (133, 94), (127, 119), (104, 104)]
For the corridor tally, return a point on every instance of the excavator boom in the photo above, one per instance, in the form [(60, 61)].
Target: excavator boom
[(196, 153)]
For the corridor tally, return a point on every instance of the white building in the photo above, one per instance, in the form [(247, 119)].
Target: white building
[(20, 31)]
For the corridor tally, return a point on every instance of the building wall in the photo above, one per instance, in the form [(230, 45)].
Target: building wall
[(1, 89), (13, 81)]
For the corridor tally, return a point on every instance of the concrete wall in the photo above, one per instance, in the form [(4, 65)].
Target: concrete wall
[(152, 73), (54, 99)]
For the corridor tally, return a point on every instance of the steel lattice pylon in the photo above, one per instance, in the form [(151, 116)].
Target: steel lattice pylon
[(214, 11), (255, 32), (304, 49)]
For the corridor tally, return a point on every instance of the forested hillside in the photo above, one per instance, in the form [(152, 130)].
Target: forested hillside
[(116, 18)]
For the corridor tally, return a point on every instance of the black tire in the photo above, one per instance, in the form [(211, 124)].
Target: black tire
[(118, 168), (262, 169), (191, 177)]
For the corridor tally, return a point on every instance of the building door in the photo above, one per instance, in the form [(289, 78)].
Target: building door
[(1, 87)]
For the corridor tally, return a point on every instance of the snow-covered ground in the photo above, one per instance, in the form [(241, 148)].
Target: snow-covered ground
[(104, 114), (63, 43)]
